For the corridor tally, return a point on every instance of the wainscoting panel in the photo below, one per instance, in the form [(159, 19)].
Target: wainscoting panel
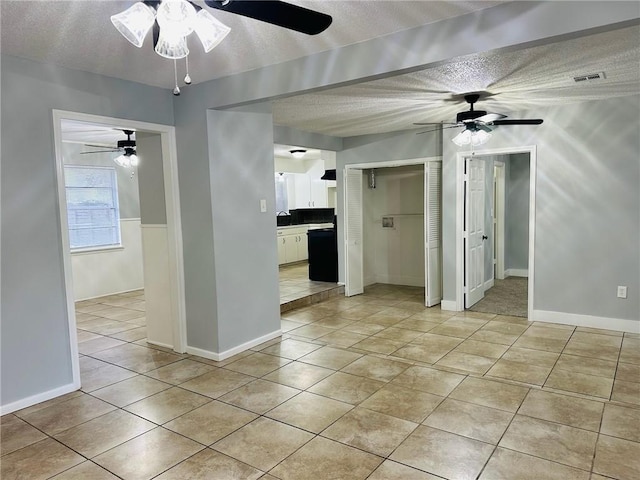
[(157, 285), (107, 272)]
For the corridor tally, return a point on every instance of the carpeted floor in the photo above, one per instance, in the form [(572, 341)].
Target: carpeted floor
[(506, 297)]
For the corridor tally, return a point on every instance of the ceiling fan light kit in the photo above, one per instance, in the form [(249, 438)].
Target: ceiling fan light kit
[(473, 137), (174, 20), (128, 159)]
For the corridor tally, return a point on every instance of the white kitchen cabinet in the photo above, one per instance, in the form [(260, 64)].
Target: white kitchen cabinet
[(318, 187), (302, 247), (282, 255), (292, 245), (290, 248), (310, 189)]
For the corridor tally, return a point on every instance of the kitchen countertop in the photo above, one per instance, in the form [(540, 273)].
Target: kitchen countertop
[(309, 226)]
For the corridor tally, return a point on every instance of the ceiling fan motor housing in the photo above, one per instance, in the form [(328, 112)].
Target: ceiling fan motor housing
[(128, 143), (464, 117)]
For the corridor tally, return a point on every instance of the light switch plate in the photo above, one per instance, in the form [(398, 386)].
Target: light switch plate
[(622, 291), (263, 206)]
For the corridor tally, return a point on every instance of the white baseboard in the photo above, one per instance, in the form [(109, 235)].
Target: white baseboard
[(516, 272), (159, 344), (618, 324), (218, 357), (488, 284), (448, 305), (38, 398), (407, 280), (108, 294)]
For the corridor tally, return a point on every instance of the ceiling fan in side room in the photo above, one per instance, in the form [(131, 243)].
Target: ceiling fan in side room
[(127, 147), (477, 123)]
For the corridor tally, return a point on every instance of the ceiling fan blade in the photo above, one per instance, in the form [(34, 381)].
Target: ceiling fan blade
[(155, 33), (490, 117), (101, 151), (96, 145), (437, 123), (530, 121), (437, 129), (278, 13)]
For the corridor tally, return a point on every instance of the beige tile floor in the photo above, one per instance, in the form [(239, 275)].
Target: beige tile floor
[(371, 387), (296, 290)]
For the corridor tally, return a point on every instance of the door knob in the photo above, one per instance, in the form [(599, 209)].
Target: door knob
[(484, 237)]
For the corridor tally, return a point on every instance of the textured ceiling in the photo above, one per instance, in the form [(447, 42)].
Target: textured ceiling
[(514, 81), (78, 35)]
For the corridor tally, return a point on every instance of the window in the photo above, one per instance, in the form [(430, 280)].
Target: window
[(282, 197), (92, 207)]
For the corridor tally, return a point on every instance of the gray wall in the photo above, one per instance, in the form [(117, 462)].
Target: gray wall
[(241, 174), (196, 216), (587, 206), (128, 199), (35, 352), (231, 270), (516, 242), (153, 210)]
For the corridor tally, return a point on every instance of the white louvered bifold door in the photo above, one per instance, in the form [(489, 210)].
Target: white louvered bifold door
[(354, 273), (433, 232)]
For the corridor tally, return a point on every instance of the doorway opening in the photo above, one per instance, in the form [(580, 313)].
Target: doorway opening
[(305, 220), (495, 231), (392, 226), (122, 242)]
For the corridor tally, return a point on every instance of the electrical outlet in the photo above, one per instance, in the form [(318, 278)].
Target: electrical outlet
[(622, 291)]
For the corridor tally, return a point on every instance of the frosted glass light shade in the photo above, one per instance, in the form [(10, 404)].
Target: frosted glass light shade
[(479, 137), (463, 138), (473, 137), (121, 161), (176, 18), (210, 31), (127, 160), (134, 23), (172, 47)]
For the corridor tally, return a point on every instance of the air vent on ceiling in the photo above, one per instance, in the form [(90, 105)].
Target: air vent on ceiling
[(590, 76)]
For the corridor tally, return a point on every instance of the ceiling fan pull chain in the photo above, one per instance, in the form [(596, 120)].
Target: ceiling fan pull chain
[(187, 77), (176, 89)]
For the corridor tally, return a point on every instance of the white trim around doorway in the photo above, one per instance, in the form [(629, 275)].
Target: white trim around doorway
[(424, 161), (460, 157), (174, 224)]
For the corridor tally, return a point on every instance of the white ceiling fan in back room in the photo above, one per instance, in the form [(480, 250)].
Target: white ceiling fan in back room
[(172, 21), (478, 124)]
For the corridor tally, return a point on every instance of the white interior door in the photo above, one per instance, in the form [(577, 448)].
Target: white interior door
[(475, 236), (433, 232), (354, 273)]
